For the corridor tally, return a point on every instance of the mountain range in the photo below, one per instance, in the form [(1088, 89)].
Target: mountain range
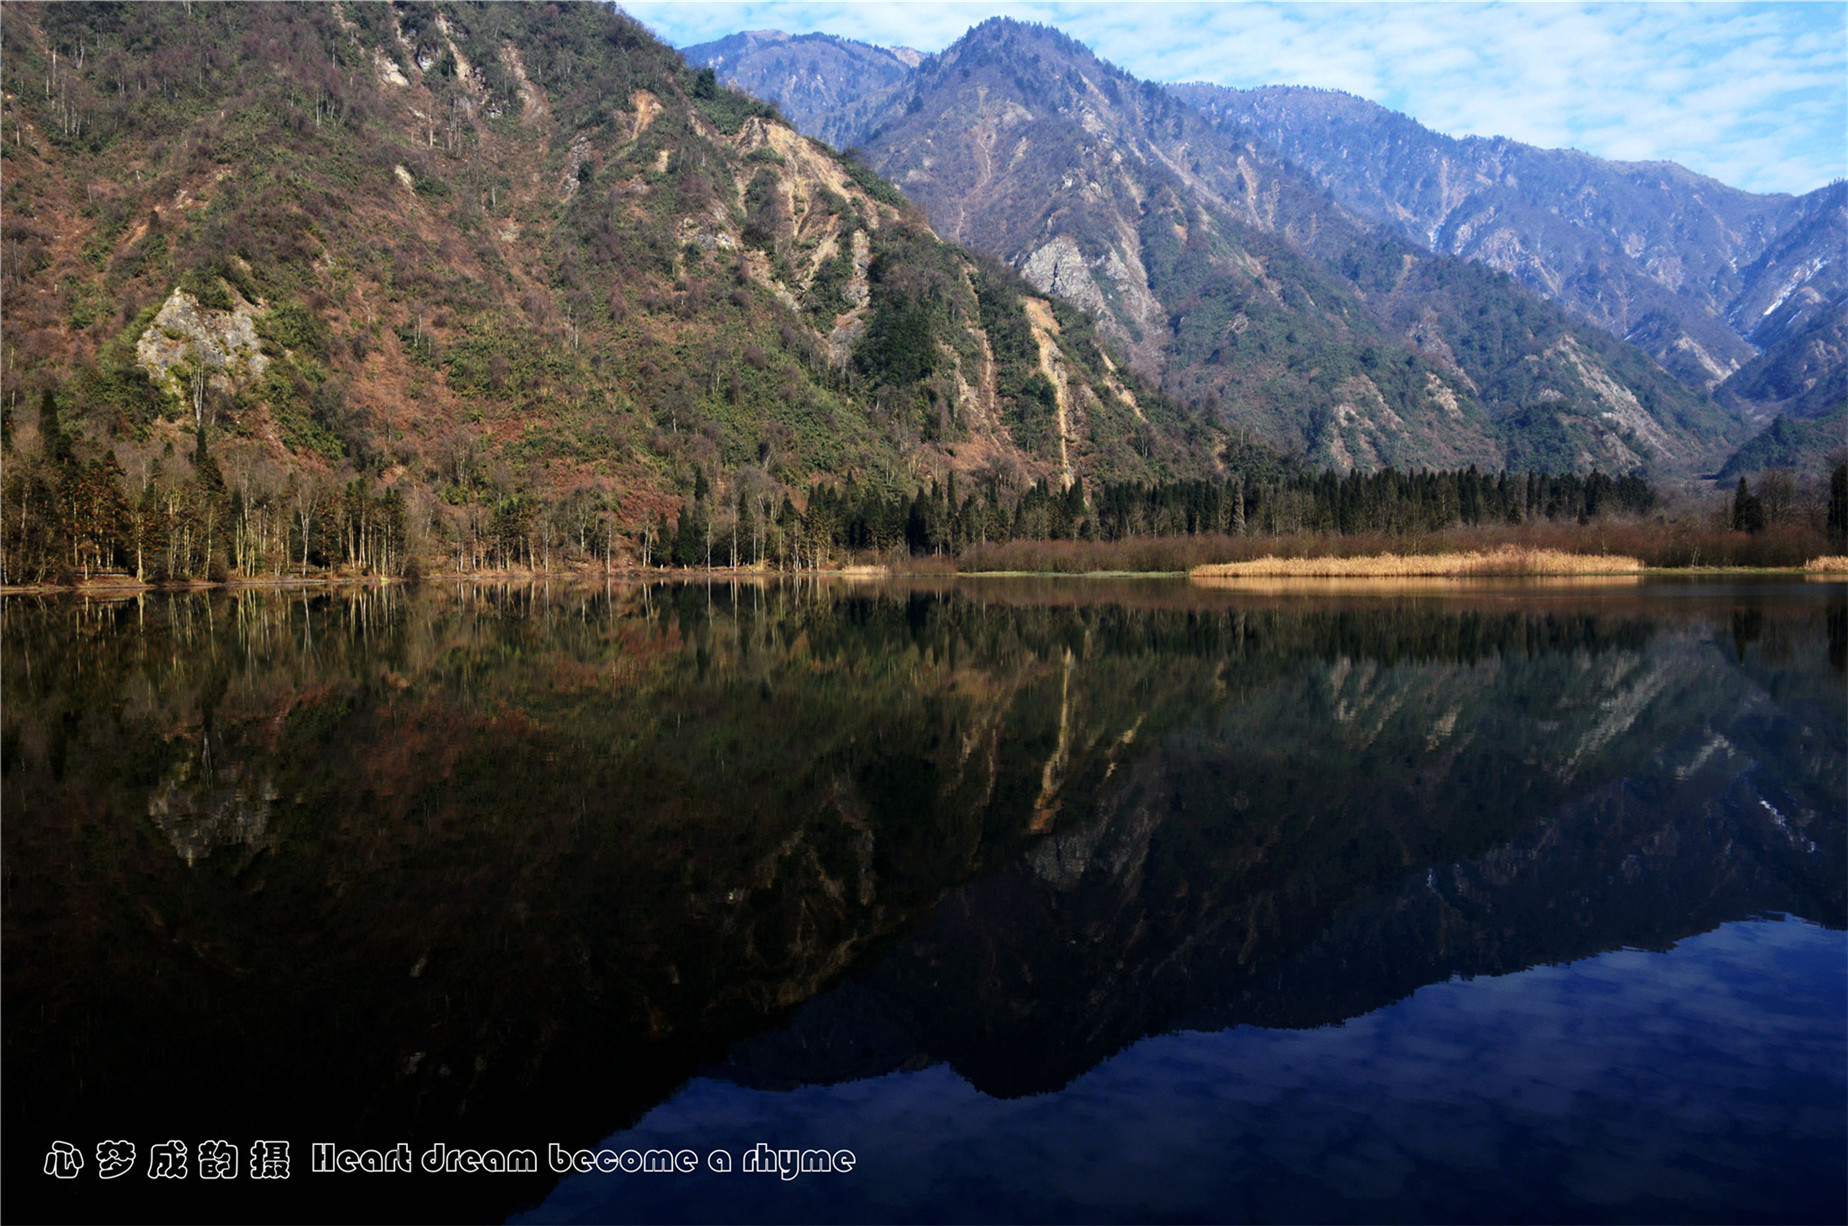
[(1028, 146), (531, 270), (1696, 272)]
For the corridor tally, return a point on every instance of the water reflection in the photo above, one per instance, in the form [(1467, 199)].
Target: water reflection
[(1702, 1085), (501, 866)]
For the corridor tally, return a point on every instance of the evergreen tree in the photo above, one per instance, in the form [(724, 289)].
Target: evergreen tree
[(1748, 513), (56, 444), (1838, 506)]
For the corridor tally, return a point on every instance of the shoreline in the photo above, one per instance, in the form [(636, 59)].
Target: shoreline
[(133, 587)]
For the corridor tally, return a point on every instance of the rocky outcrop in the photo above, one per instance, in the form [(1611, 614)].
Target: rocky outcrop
[(187, 341)]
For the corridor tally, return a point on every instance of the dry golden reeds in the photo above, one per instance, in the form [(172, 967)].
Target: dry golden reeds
[(1828, 564), (1508, 561), (1659, 546)]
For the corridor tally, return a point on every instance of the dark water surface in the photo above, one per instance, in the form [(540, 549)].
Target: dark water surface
[(1056, 901)]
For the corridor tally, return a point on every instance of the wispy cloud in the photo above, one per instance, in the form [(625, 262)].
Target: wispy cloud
[(1755, 95)]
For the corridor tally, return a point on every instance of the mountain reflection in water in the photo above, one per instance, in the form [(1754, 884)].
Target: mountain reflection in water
[(500, 867), (1699, 1085)]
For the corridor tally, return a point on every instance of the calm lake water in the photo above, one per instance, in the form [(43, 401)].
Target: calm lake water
[(1043, 901)]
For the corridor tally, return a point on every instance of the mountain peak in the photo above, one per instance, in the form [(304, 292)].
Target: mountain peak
[(1010, 35)]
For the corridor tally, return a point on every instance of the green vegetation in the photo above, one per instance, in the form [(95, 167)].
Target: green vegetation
[(726, 109), (869, 181), (1791, 442)]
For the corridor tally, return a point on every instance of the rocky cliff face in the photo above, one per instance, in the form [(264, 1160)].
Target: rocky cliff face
[(1798, 390), (1804, 375), (1798, 277), (1736, 292)]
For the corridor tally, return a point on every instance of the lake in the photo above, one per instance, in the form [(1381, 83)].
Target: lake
[(959, 900)]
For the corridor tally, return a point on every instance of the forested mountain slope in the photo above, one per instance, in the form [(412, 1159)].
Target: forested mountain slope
[(1728, 289), (516, 268), (1695, 271), (1802, 384), (1235, 280)]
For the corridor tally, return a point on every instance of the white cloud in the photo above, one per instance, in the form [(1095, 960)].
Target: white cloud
[(1754, 94)]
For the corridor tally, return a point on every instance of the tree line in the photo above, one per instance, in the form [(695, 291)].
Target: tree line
[(70, 513), (1781, 499), (68, 516), (846, 519)]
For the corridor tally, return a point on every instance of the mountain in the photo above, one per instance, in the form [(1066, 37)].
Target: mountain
[(1799, 274), (518, 267), (1235, 280), (1806, 445), (810, 77), (1805, 374), (1696, 272), (1801, 382)]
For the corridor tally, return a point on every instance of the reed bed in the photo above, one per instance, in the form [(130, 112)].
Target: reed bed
[(1658, 545), (1448, 586), (1828, 564), (1508, 561)]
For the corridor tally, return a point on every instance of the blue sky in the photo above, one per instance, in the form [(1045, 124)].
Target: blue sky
[(1755, 95)]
